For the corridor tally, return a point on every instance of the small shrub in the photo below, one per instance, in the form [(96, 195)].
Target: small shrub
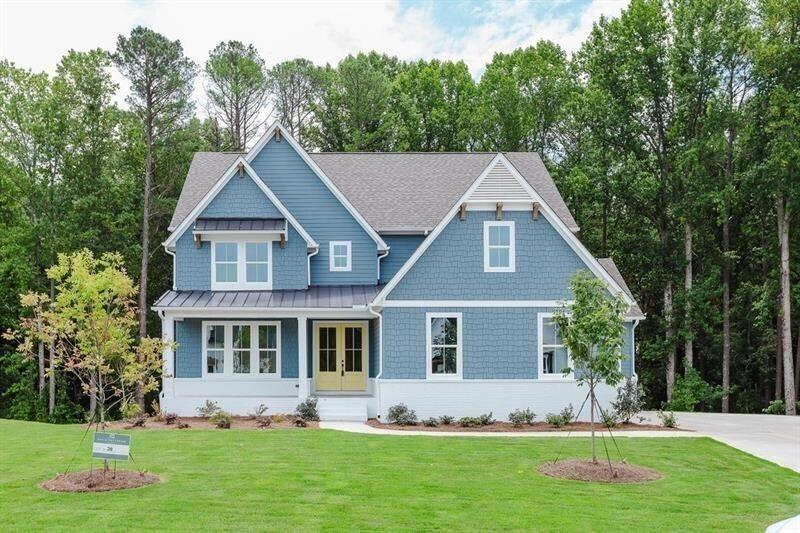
[(299, 422), (221, 419), (259, 411), (259, 415), (486, 419), (138, 421), (402, 415), (630, 400), (278, 418), (158, 415), (775, 407), (209, 409), (183, 425), (430, 422), (518, 417), (170, 418), (307, 409), (446, 420), (568, 414), (129, 411), (555, 419), (469, 422), (669, 420), (609, 419)]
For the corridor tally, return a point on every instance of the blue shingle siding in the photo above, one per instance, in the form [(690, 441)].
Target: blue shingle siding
[(400, 249), (452, 267), (290, 264), (374, 347), (241, 198), (627, 349), (498, 343), (189, 336), (192, 265), (319, 212)]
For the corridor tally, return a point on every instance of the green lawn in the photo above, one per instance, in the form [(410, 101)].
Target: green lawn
[(320, 479)]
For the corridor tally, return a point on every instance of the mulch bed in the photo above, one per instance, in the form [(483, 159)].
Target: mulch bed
[(535, 427), (203, 423), (586, 470), (95, 481)]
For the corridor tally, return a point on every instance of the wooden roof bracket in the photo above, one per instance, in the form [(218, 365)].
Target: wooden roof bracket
[(197, 242), (535, 211), (277, 135), (283, 239), (240, 168), (462, 211), (499, 211)]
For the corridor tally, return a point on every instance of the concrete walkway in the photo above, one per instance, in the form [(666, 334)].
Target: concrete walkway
[(775, 438), (360, 427)]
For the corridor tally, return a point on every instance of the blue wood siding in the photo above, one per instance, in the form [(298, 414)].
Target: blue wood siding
[(498, 343), (319, 212), (452, 267), (400, 249), (241, 198), (189, 355)]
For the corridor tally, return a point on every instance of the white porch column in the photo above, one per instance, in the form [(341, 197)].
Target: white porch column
[(167, 335), (302, 357)]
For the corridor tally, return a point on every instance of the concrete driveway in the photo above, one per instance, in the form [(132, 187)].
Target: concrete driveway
[(772, 437)]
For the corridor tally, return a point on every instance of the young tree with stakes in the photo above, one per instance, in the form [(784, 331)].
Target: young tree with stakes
[(591, 329)]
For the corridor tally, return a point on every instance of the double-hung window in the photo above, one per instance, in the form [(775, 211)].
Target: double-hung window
[(554, 361), (341, 256), (444, 345), (498, 246), (242, 349), (239, 265)]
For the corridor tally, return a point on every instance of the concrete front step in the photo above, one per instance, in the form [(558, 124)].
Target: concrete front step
[(345, 408)]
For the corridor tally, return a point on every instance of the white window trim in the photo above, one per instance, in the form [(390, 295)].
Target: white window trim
[(540, 354), (241, 266), (228, 374), (349, 266), (429, 348), (511, 246)]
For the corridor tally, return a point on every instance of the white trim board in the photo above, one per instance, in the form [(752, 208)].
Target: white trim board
[(571, 239), (217, 188), (476, 303), (285, 135)]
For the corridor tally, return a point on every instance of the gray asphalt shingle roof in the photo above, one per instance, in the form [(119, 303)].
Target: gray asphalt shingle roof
[(391, 190), (608, 264), (317, 297)]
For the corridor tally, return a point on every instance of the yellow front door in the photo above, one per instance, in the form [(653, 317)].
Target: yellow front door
[(340, 356)]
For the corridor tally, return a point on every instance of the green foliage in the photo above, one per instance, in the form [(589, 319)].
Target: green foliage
[(556, 420), (402, 415), (485, 419), (208, 409), (307, 409), (609, 419), (568, 414), (630, 400), (777, 407), (446, 420), (469, 422), (692, 390), (668, 420), (518, 417), (221, 419), (431, 422)]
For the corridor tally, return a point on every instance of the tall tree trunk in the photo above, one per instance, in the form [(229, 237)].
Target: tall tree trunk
[(784, 219), (148, 192), (591, 419), (51, 389), (778, 358), (797, 363), (688, 279), (92, 397), (670, 339), (40, 358), (726, 312)]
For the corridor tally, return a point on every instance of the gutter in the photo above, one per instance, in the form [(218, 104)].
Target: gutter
[(371, 310)]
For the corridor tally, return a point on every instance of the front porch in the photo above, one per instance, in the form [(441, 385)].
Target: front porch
[(241, 358)]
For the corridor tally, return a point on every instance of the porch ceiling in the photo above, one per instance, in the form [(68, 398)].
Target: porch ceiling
[(321, 297)]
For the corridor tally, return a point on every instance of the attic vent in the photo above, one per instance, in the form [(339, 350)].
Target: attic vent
[(500, 184)]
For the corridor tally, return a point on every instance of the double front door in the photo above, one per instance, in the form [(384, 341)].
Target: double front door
[(340, 356)]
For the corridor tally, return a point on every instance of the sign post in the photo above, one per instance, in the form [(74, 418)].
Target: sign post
[(113, 446)]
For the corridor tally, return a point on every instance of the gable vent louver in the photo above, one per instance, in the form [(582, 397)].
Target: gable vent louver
[(499, 184)]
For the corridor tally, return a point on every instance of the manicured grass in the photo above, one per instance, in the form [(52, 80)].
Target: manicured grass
[(320, 479)]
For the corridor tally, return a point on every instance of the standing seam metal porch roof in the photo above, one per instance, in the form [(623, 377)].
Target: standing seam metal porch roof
[(318, 297), (408, 191)]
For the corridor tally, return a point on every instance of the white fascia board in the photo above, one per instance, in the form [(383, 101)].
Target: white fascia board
[(215, 190), (478, 303), (545, 209), (254, 151), (223, 313)]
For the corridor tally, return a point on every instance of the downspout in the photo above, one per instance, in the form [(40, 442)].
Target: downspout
[(633, 349), (174, 271), (312, 254), (371, 310), (381, 256)]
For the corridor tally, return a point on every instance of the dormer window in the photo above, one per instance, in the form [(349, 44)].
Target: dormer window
[(340, 256), (241, 264)]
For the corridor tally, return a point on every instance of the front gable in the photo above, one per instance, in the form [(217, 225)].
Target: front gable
[(241, 198), (281, 166)]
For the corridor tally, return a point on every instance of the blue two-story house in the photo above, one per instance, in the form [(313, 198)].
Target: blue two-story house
[(371, 279)]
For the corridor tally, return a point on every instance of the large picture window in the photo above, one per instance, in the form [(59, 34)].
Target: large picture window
[(241, 265), (498, 246), (553, 355), (444, 345), (242, 349)]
